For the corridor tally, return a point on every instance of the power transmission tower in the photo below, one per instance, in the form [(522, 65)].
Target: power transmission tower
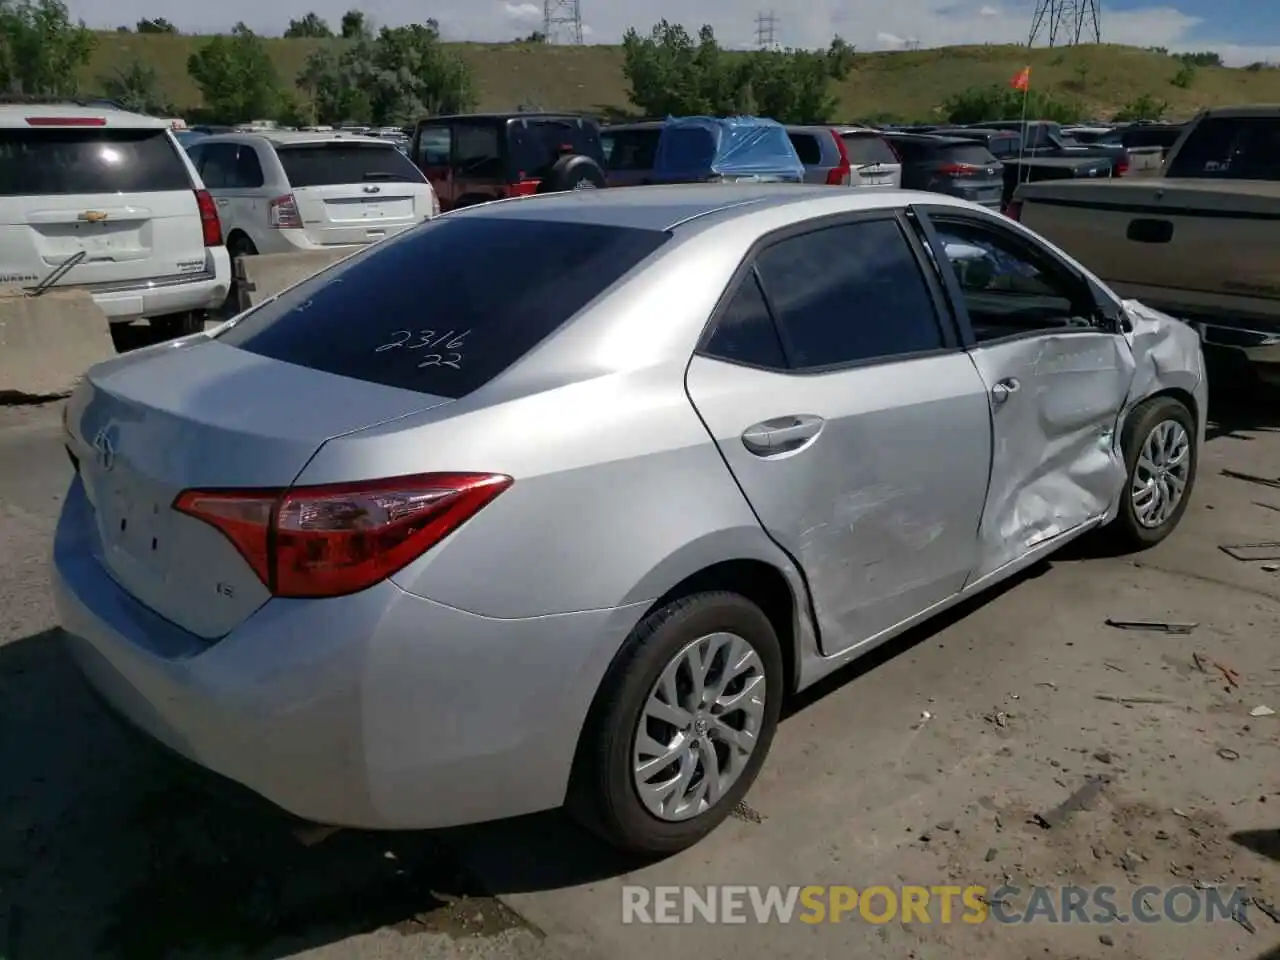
[(767, 31), (1064, 23), (562, 21)]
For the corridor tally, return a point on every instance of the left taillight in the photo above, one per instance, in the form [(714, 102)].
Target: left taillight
[(329, 541), (842, 174), (209, 222)]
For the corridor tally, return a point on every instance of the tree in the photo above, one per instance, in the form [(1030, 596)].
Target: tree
[(236, 76), (1000, 102), (792, 86), (1144, 107), (136, 87), (41, 50), (156, 25), (354, 25), (401, 75), (312, 25)]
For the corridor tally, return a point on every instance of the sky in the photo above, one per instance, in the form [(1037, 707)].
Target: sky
[(1243, 31)]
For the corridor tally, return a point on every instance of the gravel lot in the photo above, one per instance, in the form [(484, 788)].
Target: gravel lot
[(108, 850)]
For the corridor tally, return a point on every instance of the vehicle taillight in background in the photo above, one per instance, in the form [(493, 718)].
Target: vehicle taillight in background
[(1013, 210), (523, 187), (1122, 166), (209, 222), (282, 213), (960, 169), (329, 541), (66, 121), (842, 175)]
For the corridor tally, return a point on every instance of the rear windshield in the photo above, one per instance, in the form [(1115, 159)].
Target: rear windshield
[(537, 144), (1230, 148), (331, 164), (446, 307), (689, 148), (630, 149), (867, 148), (1004, 146), (807, 148), (53, 162), (973, 153)]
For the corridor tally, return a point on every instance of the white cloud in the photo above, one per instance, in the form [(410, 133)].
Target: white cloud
[(522, 11), (878, 26)]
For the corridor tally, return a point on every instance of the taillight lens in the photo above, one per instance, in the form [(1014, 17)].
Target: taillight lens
[(282, 213), (329, 541), (1122, 166), (1013, 210), (66, 121), (523, 188), (960, 169), (842, 175), (209, 222)]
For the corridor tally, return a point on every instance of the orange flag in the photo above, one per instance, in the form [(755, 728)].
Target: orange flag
[(1022, 81)]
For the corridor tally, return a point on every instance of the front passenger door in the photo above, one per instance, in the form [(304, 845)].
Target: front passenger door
[(1057, 371), (854, 424)]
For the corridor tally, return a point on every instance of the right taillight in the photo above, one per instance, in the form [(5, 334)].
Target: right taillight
[(210, 225), (282, 213), (523, 188), (329, 541), (960, 169)]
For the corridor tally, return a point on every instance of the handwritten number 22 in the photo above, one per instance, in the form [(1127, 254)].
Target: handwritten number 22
[(428, 338)]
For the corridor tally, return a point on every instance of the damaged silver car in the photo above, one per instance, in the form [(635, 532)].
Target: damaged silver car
[(404, 547)]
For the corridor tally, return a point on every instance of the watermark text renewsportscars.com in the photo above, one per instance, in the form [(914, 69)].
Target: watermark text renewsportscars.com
[(940, 904)]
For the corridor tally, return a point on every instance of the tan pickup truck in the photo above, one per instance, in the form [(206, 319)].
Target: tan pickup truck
[(1200, 242)]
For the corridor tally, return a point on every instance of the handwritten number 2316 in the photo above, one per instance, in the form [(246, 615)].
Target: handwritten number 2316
[(450, 343)]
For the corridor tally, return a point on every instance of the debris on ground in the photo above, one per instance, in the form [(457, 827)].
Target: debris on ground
[(1199, 662), (1103, 756), (1252, 552), (1152, 626), (744, 811), (1082, 799), (1151, 699), (1240, 918), (1270, 568), (998, 717), (1267, 908), (1226, 753), (1266, 506), (1252, 478), (1262, 711), (1231, 676)]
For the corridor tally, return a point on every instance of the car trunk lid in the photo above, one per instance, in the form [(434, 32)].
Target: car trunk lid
[(350, 192), (208, 416), (971, 172), (119, 201)]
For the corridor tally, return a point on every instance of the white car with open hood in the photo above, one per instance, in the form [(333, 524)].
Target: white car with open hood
[(107, 201)]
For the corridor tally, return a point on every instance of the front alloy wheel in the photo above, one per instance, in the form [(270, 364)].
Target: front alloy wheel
[(1162, 472)]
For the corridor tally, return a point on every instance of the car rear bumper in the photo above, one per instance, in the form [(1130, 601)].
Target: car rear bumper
[(380, 710), (295, 241), (163, 296)]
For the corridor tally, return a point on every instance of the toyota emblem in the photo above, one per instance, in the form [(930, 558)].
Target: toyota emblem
[(106, 453)]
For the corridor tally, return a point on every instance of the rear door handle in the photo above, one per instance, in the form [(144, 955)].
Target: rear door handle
[(1005, 389), (769, 438)]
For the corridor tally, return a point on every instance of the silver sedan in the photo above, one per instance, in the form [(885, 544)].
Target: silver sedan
[(557, 500)]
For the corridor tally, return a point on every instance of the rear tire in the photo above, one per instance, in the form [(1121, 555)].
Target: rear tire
[(1161, 454), (713, 744)]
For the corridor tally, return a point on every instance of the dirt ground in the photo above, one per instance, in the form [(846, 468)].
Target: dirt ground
[(943, 758)]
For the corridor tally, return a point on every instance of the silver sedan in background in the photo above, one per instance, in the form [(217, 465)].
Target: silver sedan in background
[(557, 500)]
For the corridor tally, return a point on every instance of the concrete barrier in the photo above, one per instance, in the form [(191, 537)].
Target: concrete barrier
[(262, 276), (48, 342)]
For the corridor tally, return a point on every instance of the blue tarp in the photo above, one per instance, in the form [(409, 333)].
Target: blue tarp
[(697, 148)]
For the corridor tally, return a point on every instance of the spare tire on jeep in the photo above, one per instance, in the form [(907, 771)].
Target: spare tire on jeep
[(573, 172)]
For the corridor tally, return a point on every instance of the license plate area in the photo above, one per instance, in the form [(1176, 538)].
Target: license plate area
[(133, 526)]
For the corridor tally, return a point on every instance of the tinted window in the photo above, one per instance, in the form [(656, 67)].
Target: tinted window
[(974, 153), (849, 293), (631, 149), (217, 164), (434, 144), (537, 144), (745, 332), (911, 150), (866, 148), (1230, 148), (1009, 289), (327, 164), (423, 312), (248, 171), (65, 162), (807, 148), (1003, 146), (477, 151)]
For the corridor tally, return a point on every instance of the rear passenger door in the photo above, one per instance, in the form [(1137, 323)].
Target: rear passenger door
[(855, 425), (1054, 358)]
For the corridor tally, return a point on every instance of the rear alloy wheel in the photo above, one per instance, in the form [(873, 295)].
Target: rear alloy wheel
[(682, 726), (1161, 457)]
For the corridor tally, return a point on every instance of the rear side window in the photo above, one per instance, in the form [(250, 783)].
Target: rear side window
[(745, 332), (631, 149), (865, 149), (446, 307), (330, 164), (53, 162), (849, 294), (1230, 148), (1003, 146), (807, 148), (911, 150)]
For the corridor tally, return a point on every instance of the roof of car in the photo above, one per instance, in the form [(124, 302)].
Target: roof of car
[(934, 139), (18, 115), (1249, 110), (295, 137), (516, 115), (668, 207), (641, 125)]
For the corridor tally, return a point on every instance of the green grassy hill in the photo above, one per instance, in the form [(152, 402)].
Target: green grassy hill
[(908, 85)]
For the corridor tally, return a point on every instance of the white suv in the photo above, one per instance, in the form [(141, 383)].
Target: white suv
[(107, 201), (287, 192)]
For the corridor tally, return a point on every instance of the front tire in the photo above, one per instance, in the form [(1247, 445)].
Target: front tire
[(681, 726), (1161, 454)]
